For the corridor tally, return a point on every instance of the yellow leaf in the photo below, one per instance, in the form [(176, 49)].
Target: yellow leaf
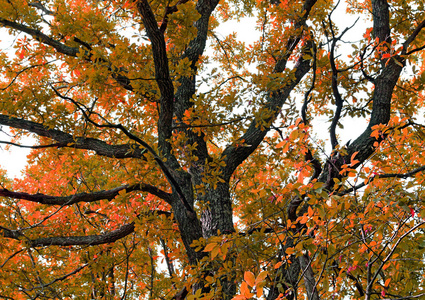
[(261, 277), (210, 247), (214, 252)]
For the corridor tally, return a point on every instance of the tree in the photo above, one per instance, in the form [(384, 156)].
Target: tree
[(171, 162)]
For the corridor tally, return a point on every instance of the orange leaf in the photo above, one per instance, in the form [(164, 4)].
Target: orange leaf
[(249, 278), (245, 290)]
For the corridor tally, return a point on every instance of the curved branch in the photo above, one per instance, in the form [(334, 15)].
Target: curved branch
[(67, 140), (235, 154), (397, 175), (364, 145), (89, 240), (336, 93), (41, 37), (307, 97), (64, 49), (135, 138), (412, 37), (87, 197)]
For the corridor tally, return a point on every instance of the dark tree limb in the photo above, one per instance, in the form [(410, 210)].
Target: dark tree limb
[(234, 155), (381, 26), (67, 140), (87, 197), (89, 240), (159, 161), (388, 175), (181, 295), (55, 145), (411, 38), (365, 145), (307, 97), (335, 91), (65, 49), (163, 79), (168, 11), (187, 84), (41, 37), (61, 278)]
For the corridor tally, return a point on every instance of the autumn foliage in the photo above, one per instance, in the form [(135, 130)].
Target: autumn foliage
[(170, 160)]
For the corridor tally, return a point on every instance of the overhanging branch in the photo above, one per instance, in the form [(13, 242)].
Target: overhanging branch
[(87, 197), (396, 175), (67, 140)]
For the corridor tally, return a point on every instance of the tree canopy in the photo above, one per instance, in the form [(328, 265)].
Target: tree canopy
[(170, 161)]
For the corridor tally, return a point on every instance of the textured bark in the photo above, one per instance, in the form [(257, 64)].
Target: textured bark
[(86, 197), (309, 278), (69, 141), (89, 240), (217, 214)]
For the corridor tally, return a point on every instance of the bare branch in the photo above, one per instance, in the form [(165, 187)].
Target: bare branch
[(384, 261), (336, 93), (34, 146), (42, 286), (397, 175)]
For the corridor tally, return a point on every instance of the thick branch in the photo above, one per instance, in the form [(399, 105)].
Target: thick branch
[(135, 138), (381, 25), (89, 240), (86, 197), (162, 75), (41, 37), (234, 155), (67, 140), (64, 49), (381, 20), (293, 41), (187, 85), (412, 37)]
